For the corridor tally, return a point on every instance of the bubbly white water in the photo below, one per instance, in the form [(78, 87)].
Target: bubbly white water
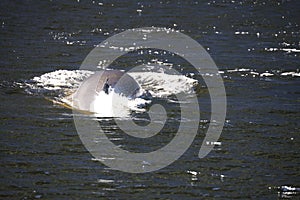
[(163, 85), (60, 79)]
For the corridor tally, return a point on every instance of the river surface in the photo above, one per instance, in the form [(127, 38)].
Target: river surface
[(256, 46)]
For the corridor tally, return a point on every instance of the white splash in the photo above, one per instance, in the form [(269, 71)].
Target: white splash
[(115, 105), (60, 79), (162, 84)]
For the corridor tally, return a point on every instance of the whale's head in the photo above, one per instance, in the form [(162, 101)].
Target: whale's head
[(104, 82)]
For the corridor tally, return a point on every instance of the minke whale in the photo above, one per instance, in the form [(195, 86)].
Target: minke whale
[(105, 81)]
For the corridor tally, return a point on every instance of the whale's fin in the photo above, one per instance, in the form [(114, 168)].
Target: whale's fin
[(106, 86)]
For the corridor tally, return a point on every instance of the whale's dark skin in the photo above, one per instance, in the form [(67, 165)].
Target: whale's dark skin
[(102, 81)]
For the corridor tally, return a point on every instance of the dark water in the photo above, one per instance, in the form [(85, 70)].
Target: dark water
[(42, 155)]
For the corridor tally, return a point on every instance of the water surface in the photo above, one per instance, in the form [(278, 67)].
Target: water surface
[(254, 43)]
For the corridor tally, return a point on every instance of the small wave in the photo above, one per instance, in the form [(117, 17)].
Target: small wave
[(245, 72), (288, 50), (290, 74), (286, 191), (105, 181)]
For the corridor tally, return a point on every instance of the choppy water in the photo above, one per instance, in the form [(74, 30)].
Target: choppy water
[(256, 46)]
